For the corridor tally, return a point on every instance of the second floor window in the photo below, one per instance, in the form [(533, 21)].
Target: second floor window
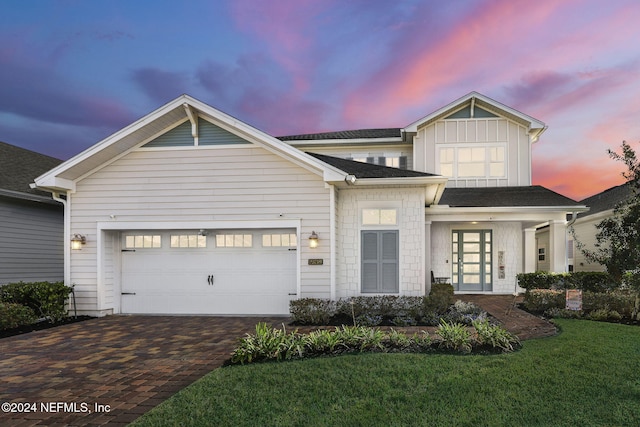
[(473, 162)]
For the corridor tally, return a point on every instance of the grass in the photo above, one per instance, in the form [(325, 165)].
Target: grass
[(589, 375)]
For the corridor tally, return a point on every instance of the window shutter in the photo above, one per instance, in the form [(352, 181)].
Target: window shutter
[(403, 162), (382, 161), (370, 159), (380, 261), (369, 261), (389, 262)]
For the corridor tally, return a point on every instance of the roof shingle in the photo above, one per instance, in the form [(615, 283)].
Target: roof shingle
[(534, 195), (19, 167), (366, 170), (346, 134)]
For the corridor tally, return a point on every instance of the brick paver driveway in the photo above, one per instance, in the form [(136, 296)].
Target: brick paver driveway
[(125, 365)]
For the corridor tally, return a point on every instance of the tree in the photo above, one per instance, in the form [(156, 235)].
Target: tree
[(617, 244)]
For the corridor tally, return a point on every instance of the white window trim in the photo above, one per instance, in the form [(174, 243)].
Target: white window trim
[(487, 160)]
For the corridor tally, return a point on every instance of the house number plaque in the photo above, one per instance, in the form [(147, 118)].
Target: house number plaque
[(315, 261)]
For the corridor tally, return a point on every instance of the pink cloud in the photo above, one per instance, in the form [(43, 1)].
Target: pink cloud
[(425, 66), (577, 180), (284, 28)]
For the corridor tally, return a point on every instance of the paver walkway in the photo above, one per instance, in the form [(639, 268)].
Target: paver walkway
[(132, 363)]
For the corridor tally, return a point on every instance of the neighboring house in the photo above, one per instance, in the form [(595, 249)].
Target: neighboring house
[(601, 206), (31, 223), (189, 210)]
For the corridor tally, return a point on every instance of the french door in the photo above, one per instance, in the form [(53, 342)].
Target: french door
[(472, 260)]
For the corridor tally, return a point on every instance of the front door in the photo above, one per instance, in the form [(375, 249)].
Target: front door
[(471, 260)]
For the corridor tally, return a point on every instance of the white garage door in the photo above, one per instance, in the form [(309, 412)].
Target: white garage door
[(223, 272)]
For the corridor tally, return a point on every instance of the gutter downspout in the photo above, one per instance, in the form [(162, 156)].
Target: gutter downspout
[(67, 228)]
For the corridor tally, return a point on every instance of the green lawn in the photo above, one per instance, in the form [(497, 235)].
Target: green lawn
[(589, 375)]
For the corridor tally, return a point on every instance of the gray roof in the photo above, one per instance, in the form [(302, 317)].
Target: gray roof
[(19, 167), (346, 134), (367, 170), (534, 195), (608, 199)]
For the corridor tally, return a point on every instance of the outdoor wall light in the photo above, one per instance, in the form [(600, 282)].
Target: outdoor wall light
[(313, 240), (77, 241)]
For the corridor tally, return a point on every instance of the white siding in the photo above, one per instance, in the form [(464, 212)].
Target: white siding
[(197, 184), (585, 231), (31, 241)]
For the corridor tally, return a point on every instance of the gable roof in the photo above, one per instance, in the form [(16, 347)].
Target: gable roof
[(64, 176), (19, 167), (363, 170), (535, 126), (608, 199), (526, 196)]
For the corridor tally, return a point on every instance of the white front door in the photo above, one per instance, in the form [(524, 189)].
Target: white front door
[(225, 272)]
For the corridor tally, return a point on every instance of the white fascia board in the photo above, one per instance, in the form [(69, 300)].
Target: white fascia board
[(355, 141), (534, 124), (517, 213), (50, 182), (400, 181)]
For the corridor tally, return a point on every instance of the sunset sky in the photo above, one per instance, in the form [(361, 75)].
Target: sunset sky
[(74, 71)]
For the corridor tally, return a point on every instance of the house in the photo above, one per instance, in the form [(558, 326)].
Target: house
[(31, 222), (601, 206), (191, 211)]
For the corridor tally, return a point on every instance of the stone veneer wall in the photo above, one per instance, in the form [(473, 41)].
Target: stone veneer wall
[(410, 205)]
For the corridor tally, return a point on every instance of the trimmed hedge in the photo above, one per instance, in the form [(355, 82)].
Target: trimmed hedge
[(46, 299), (551, 300), (594, 281), (13, 315), (374, 310)]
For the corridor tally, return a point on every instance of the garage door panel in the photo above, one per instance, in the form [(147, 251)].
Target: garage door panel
[(209, 280)]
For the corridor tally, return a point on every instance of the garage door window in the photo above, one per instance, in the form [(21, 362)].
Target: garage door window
[(275, 240), (234, 240), (188, 241), (143, 241)]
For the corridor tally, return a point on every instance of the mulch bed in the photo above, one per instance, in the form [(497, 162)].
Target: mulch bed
[(41, 325)]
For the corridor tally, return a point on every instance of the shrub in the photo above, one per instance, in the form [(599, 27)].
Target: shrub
[(622, 301), (541, 300), (46, 299), (465, 313), (604, 314), (312, 311), (454, 336), (563, 313), (13, 315), (594, 281), (439, 299), (495, 337), (538, 280)]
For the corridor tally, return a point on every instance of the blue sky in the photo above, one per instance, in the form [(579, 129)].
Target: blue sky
[(73, 72)]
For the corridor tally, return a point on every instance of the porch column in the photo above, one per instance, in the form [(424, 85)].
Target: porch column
[(558, 246), (529, 256), (427, 257)]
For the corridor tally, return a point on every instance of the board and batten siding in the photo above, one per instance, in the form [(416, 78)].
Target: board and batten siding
[(476, 132), (31, 241), (199, 184)]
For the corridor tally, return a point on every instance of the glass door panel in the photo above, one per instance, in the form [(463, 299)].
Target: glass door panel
[(471, 255)]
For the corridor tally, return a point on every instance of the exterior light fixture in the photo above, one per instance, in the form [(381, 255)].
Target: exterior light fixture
[(77, 241), (313, 240)]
